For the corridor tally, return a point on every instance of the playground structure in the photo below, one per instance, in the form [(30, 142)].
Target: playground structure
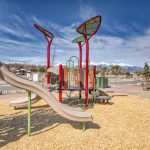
[(69, 77), (73, 77)]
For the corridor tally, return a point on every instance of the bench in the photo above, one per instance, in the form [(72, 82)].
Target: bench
[(146, 86), (104, 99)]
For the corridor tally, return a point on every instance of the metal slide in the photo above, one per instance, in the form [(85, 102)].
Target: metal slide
[(54, 70), (23, 102), (63, 110)]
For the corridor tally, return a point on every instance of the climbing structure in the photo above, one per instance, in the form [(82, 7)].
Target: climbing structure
[(75, 77)]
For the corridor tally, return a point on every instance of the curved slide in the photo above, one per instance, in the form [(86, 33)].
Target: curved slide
[(54, 70), (23, 102), (63, 110)]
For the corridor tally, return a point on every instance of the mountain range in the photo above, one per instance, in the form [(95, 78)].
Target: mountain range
[(125, 67)]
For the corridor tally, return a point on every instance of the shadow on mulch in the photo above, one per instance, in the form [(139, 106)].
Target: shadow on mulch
[(101, 103), (76, 102), (14, 127)]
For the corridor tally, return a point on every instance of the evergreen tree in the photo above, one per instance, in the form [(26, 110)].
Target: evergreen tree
[(146, 73)]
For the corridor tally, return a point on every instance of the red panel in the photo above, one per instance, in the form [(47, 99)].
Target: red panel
[(91, 78), (65, 78), (76, 78), (82, 78), (44, 31)]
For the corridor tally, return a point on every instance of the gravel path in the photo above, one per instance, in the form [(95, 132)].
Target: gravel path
[(136, 90)]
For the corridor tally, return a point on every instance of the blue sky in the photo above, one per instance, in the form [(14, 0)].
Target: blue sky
[(123, 38)]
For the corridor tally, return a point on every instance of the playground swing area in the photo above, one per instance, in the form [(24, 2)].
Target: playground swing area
[(46, 118)]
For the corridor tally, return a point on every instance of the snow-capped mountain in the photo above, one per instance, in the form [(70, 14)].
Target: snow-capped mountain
[(126, 67)]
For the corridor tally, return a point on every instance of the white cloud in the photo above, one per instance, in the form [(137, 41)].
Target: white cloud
[(34, 48), (15, 31), (116, 27), (103, 48), (105, 63), (134, 50), (86, 11), (17, 26)]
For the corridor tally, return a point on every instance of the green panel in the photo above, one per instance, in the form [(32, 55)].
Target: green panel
[(90, 27), (98, 82), (79, 39), (101, 82)]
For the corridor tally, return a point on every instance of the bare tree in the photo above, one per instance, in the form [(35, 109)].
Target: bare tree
[(116, 70)]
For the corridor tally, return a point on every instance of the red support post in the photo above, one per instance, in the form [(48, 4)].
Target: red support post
[(87, 70), (80, 53), (60, 83), (48, 59), (80, 63), (94, 82), (103, 102)]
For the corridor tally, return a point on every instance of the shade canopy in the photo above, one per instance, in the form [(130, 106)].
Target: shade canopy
[(80, 39), (47, 34), (90, 27)]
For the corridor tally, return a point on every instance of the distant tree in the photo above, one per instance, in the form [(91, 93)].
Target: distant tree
[(116, 70), (1, 63), (42, 69), (128, 75), (34, 69), (139, 73), (146, 73), (103, 71)]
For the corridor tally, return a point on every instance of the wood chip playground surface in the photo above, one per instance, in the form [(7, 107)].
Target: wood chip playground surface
[(124, 124)]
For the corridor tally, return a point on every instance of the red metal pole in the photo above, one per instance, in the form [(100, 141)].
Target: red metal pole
[(87, 70), (94, 82), (60, 83), (80, 63), (80, 53), (48, 59)]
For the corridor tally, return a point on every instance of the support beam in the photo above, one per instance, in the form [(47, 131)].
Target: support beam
[(80, 53), (94, 80), (80, 63), (87, 70), (29, 113), (84, 126), (60, 82), (48, 60)]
